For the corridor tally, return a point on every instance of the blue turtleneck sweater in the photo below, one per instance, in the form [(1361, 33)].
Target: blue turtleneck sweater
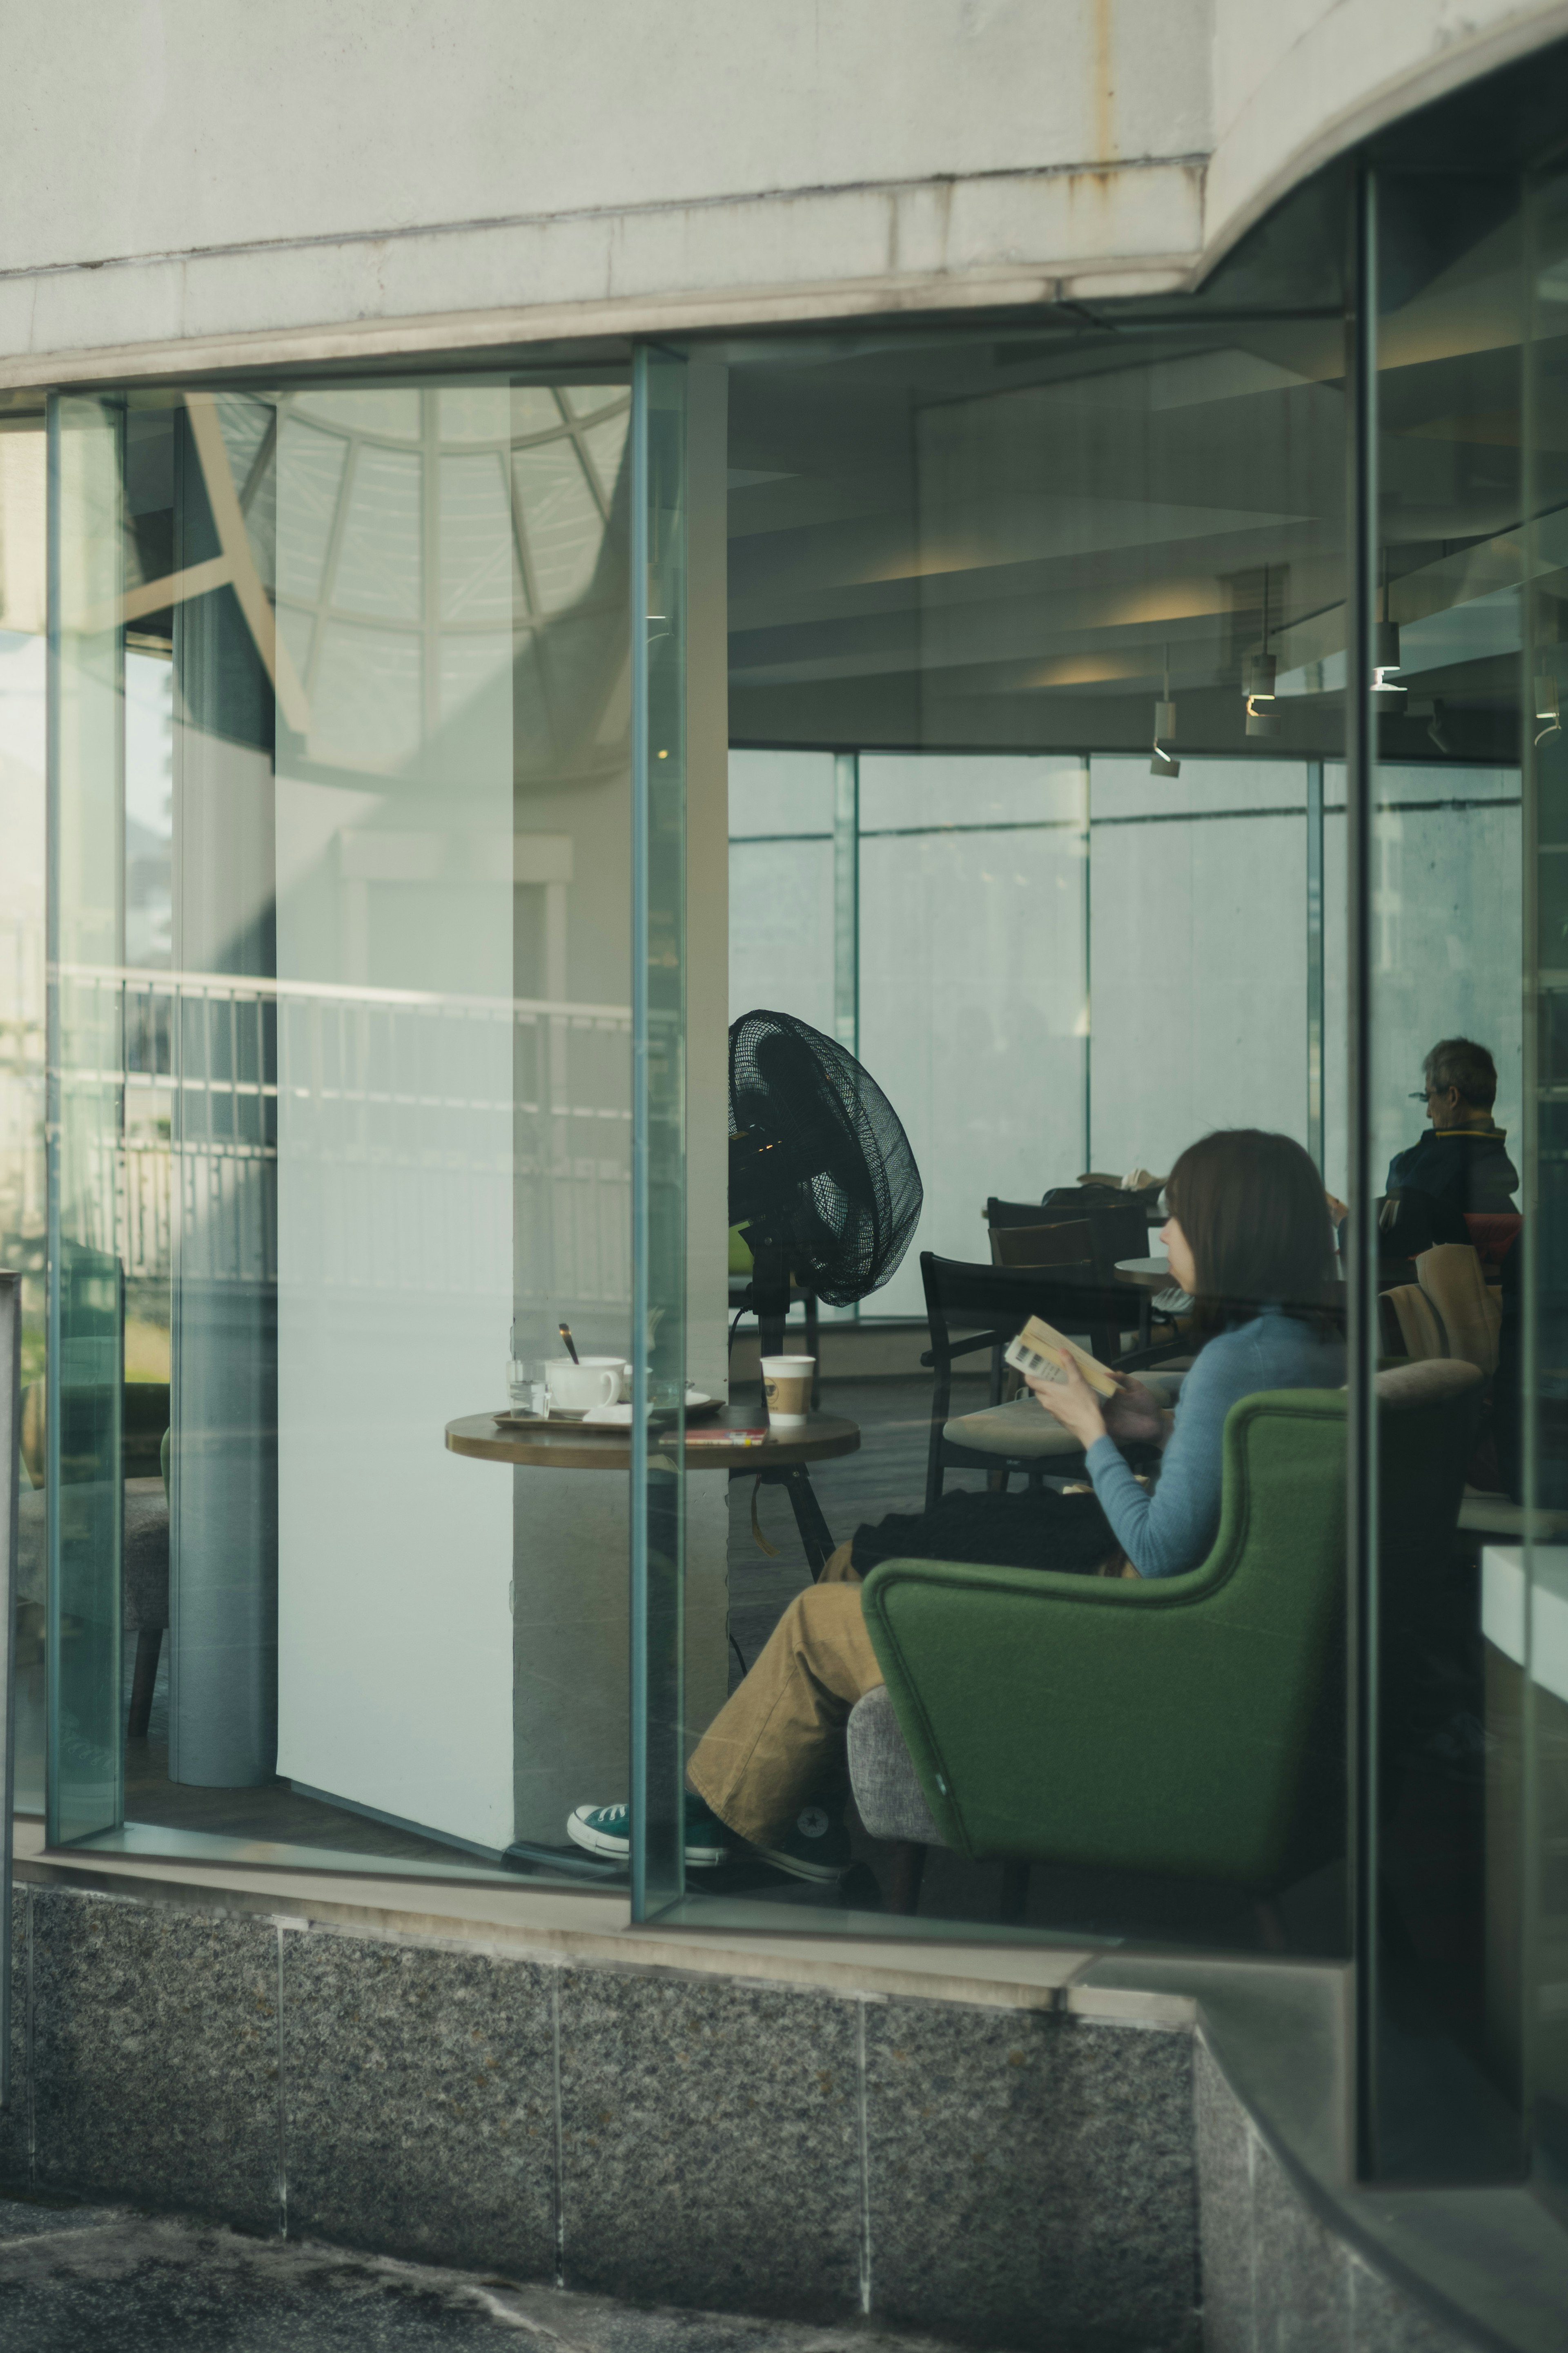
[(1173, 1528)]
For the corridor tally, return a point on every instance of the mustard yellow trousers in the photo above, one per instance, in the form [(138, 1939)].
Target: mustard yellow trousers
[(780, 1735)]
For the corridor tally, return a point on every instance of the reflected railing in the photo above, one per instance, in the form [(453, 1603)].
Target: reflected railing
[(204, 1056)]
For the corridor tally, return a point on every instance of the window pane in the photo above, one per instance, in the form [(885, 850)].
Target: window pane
[(365, 997), (972, 1007), (1445, 947), (23, 1175), (1059, 612), (1198, 973)]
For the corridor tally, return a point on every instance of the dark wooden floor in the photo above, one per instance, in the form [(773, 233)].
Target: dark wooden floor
[(272, 1812)]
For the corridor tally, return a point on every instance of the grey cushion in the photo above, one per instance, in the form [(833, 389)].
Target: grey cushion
[(881, 1773), (1022, 1429), (146, 1556), (1025, 1432), (146, 1589), (1429, 1380)]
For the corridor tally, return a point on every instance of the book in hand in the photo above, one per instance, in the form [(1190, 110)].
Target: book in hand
[(1041, 1350)]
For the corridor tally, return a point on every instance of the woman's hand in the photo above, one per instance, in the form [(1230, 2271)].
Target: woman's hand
[(1071, 1402), (1136, 1416)]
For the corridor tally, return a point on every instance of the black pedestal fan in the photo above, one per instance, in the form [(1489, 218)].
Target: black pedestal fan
[(823, 1183)]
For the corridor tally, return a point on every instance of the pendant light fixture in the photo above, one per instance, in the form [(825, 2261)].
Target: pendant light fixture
[(1165, 764), (1548, 709), (1386, 653), (1257, 671)]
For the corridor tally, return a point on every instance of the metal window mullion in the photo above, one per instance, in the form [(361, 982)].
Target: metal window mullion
[(1360, 1269), (641, 1120), (847, 900), (1315, 962)]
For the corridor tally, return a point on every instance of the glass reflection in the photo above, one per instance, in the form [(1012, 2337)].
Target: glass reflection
[(1036, 655), (365, 997), (22, 1171)]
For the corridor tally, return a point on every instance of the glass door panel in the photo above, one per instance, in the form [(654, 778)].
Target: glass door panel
[(83, 1410), (341, 1051), (658, 1123), (1443, 1109)]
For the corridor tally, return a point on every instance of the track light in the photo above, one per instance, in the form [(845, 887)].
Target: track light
[(1431, 709), (1385, 652), (1258, 674), (1163, 763)]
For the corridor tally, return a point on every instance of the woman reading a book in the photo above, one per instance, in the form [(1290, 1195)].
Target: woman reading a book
[(1248, 1237)]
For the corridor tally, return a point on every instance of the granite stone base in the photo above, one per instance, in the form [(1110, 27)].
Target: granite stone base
[(1275, 2278), (1018, 2179)]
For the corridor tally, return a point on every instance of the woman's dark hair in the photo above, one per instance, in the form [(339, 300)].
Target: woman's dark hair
[(1255, 1218)]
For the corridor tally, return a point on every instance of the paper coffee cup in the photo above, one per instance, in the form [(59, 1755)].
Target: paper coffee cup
[(786, 1385)]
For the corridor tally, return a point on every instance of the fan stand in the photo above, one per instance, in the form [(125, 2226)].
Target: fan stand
[(768, 1302)]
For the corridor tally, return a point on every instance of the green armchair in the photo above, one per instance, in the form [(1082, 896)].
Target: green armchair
[(1192, 1724)]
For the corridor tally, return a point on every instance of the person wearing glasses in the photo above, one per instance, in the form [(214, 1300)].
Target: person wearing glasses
[(1462, 1159)]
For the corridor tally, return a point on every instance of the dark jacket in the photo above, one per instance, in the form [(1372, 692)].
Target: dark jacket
[(1467, 1166)]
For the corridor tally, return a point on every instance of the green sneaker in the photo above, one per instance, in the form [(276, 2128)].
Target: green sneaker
[(814, 1847), (607, 1831)]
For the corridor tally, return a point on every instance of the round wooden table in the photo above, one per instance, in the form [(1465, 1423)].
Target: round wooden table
[(780, 1462), (1145, 1273), (567, 1447)]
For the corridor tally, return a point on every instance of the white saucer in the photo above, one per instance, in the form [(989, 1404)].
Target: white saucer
[(620, 1416)]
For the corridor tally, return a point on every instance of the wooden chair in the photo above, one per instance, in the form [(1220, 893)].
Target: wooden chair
[(1016, 1436), (144, 1552)]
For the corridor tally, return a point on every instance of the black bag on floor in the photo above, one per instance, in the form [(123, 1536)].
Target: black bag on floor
[(1048, 1530)]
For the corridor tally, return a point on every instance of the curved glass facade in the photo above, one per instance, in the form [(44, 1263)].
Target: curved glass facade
[(1109, 726)]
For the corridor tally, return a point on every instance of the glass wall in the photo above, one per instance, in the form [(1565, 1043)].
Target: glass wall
[(1032, 894), (1139, 723), (344, 1024), (23, 1180), (1035, 737)]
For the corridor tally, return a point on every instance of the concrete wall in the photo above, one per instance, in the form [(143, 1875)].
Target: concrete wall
[(184, 177)]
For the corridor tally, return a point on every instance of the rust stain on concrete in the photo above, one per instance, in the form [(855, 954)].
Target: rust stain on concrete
[(1102, 72)]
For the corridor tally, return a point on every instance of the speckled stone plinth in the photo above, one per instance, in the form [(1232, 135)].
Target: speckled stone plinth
[(711, 2143), (1031, 2178), (1275, 2278), (154, 2054), (16, 2119), (419, 2102)]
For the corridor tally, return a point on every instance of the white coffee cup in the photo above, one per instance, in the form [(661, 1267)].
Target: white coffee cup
[(584, 1388), (623, 1371), (786, 1385)]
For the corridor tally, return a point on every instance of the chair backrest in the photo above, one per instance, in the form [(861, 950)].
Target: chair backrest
[(1002, 1299), (144, 1417), (1016, 1213), (1190, 1725), (1454, 1279), (1120, 1224), (1064, 1245), (1411, 1326)]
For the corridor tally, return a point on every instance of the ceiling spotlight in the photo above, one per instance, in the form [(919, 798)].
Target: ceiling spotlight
[(1257, 694), (1436, 719), (1258, 674), (1163, 763), (1385, 652)]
